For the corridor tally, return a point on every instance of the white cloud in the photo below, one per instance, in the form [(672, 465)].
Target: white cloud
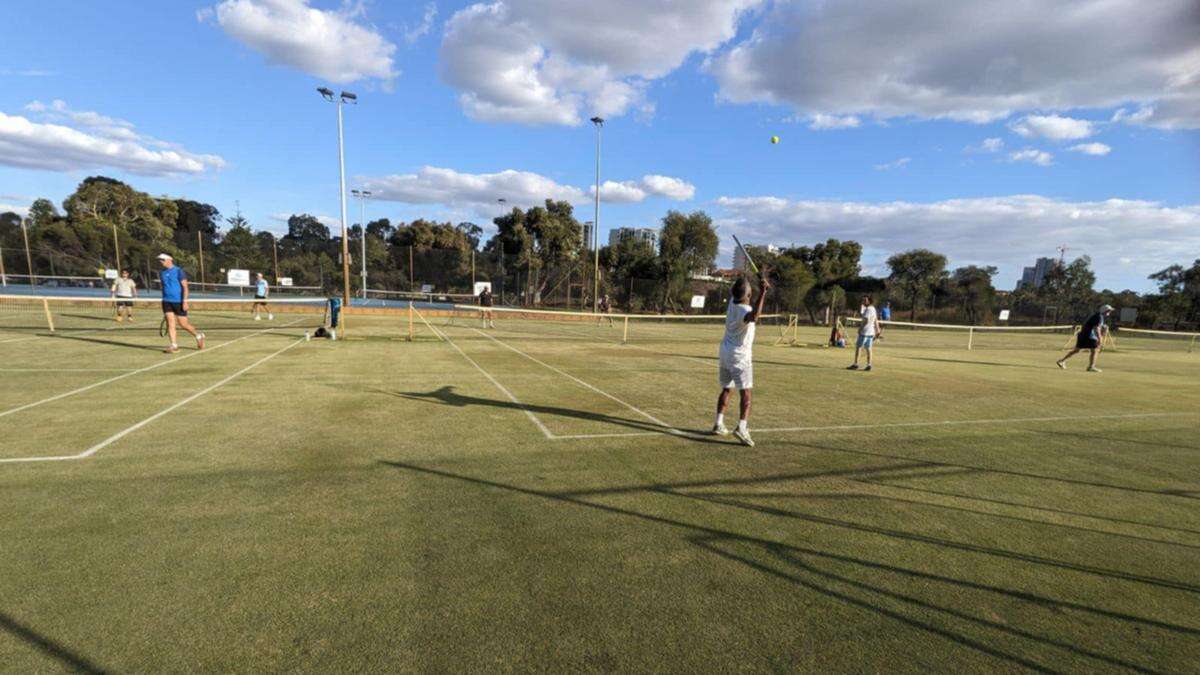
[(334, 224), (479, 192), (1097, 149), (823, 122), (896, 164), (22, 211), (330, 44), (69, 140), (1032, 155), (1052, 127), (1006, 231), (974, 61), (548, 62), (414, 33)]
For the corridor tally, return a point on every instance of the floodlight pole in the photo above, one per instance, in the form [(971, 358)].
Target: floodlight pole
[(3, 276), (116, 245), (28, 257), (362, 224), (200, 248), (339, 101), (599, 122), (275, 256)]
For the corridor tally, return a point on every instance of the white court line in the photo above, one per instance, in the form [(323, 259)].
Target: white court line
[(666, 427), (121, 434), (131, 373), (896, 425), (65, 370), (512, 397)]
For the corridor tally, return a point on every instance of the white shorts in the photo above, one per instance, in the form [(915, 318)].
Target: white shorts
[(737, 374)]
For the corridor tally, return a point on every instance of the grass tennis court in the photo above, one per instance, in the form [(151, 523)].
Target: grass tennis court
[(542, 497)]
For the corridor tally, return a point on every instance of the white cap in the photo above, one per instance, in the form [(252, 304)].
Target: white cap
[(1106, 308), (165, 256)]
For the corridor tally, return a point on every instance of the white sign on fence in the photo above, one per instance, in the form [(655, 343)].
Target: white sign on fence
[(285, 281), (426, 288), (1129, 315), (698, 301), (111, 274), (238, 277), (480, 285), (1004, 315)]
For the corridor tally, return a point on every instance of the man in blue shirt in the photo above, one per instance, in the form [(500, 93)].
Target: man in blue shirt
[(261, 291), (175, 302), (1089, 337)]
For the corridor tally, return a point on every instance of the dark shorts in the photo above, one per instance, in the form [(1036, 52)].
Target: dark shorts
[(1086, 342), (261, 298), (175, 308), (125, 303)]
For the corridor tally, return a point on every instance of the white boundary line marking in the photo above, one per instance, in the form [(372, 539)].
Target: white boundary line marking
[(512, 397), (131, 373), (121, 434), (666, 427), (65, 370), (896, 425)]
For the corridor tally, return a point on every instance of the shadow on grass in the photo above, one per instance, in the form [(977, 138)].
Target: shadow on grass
[(47, 646), (975, 363), (447, 396), (112, 343), (703, 536)]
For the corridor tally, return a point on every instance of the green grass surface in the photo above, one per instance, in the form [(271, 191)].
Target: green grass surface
[(384, 505)]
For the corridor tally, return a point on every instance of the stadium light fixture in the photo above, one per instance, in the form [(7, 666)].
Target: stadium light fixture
[(346, 97)]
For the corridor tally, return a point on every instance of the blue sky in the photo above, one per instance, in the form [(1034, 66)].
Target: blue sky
[(992, 132)]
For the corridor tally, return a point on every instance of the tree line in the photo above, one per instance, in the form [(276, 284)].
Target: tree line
[(537, 256)]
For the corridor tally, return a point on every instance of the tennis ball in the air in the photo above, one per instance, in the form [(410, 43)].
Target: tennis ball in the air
[(774, 140)]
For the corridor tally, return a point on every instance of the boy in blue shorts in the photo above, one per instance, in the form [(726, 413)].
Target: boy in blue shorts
[(868, 330)]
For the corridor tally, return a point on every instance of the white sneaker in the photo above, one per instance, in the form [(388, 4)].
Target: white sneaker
[(257, 317), (270, 317), (743, 436), (1061, 364), (1094, 369), (720, 430)]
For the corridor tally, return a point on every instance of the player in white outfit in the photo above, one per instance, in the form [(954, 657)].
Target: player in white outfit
[(737, 364)]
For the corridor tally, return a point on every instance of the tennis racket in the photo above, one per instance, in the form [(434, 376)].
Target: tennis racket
[(746, 253), (162, 327)]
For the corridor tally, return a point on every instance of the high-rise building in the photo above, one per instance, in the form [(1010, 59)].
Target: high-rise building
[(739, 258), (1036, 276), (587, 235), (646, 234)]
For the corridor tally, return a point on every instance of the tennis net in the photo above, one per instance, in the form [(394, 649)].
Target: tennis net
[(600, 327), (950, 336), (1165, 340), (64, 314)]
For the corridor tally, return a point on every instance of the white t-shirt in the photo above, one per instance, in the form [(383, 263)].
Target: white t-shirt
[(738, 343), (123, 288), (867, 328)]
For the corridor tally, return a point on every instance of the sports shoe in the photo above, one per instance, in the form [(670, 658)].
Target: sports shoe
[(744, 437), (200, 341), (1094, 369), (720, 430), (853, 366), (270, 317), (867, 368), (171, 350), (1061, 364), (257, 317)]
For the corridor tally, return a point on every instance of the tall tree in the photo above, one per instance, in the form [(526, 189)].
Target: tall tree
[(972, 287), (915, 273), (687, 245), (1070, 287), (833, 265), (1178, 292)]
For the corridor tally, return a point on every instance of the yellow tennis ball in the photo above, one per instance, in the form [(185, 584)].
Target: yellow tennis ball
[(774, 140)]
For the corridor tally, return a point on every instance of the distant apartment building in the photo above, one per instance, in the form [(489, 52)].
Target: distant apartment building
[(739, 258), (587, 235), (1036, 276), (646, 234)]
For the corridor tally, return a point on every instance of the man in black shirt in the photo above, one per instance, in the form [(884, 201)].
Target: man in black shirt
[(1089, 337), (485, 302)]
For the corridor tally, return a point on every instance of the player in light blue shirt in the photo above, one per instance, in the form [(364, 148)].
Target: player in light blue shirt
[(175, 302), (261, 290)]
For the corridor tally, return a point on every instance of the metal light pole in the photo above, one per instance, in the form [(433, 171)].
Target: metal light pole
[(275, 256), (599, 122), (501, 200), (116, 246), (200, 248), (344, 98), (28, 257), (362, 224)]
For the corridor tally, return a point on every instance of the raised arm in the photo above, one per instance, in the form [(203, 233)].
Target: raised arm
[(763, 285)]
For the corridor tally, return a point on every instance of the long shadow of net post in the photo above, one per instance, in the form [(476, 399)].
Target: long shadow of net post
[(448, 396), (701, 533), (49, 647)]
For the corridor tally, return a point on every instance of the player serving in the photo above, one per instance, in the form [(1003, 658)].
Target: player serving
[(736, 364), (175, 302)]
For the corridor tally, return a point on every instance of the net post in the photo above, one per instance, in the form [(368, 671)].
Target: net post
[(49, 317), (625, 331), (970, 338)]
